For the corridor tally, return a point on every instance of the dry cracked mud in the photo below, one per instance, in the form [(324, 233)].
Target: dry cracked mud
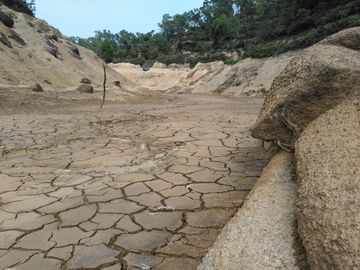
[(146, 183)]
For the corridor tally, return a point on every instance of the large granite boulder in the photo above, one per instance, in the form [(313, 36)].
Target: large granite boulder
[(328, 169), (315, 81)]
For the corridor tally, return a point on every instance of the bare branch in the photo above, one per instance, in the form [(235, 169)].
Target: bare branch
[(104, 85)]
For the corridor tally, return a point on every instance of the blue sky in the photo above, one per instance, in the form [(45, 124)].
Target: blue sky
[(82, 17)]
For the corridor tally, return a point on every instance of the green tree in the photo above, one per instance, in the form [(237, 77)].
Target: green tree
[(244, 7), (302, 20), (220, 28), (106, 51), (172, 27), (161, 44), (253, 25), (31, 5)]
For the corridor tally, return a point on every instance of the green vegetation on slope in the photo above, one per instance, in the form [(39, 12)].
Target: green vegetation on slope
[(24, 6), (261, 28)]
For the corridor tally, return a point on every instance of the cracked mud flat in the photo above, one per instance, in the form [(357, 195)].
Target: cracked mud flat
[(147, 183)]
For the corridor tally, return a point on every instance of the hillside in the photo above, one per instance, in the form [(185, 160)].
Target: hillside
[(250, 77), (34, 52), (39, 53)]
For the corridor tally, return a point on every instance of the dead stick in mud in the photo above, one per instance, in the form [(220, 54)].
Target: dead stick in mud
[(103, 100)]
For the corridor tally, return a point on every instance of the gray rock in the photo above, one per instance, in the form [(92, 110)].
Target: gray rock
[(181, 91), (145, 67), (53, 37), (17, 38), (5, 41), (36, 88), (85, 80), (53, 51), (328, 208), (52, 48), (6, 20), (315, 81), (86, 88), (74, 50)]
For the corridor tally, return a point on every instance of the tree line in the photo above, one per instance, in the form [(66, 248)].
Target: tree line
[(258, 28)]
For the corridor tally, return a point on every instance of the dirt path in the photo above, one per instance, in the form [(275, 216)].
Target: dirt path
[(147, 183)]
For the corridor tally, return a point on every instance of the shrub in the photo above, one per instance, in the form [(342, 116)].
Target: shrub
[(210, 57), (261, 50), (300, 42), (171, 59), (307, 40), (230, 62), (203, 47), (353, 21)]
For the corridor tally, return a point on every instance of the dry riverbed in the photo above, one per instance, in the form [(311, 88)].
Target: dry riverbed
[(148, 182)]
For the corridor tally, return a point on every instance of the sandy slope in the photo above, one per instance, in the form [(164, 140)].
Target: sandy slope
[(23, 65), (249, 77)]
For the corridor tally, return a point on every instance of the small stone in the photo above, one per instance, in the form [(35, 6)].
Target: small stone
[(75, 51), (180, 91), (85, 81), (36, 88), (5, 41), (53, 51), (85, 88), (53, 37), (146, 67)]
